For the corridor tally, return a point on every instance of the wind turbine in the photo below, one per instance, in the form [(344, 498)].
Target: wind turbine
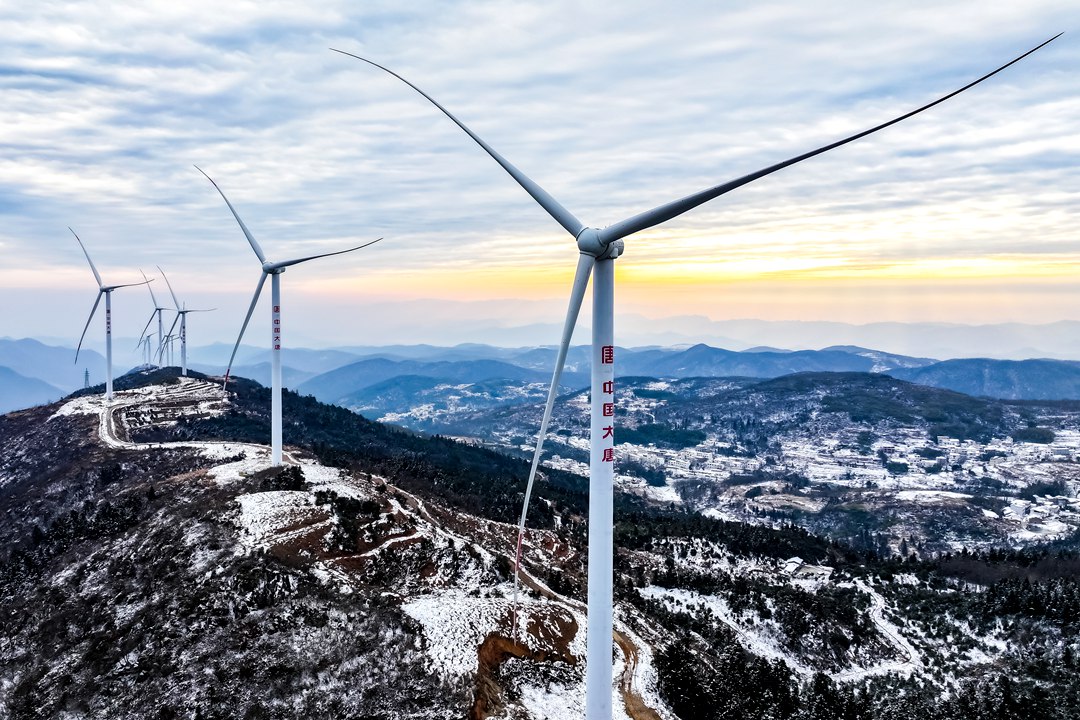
[(274, 270), (181, 315), (144, 347), (598, 248), (158, 309), (165, 353), (105, 290)]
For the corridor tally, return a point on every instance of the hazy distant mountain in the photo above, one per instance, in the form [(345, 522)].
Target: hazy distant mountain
[(259, 372), (312, 362), (347, 385), (214, 358), (1007, 379), (578, 358), (463, 351), (18, 391), (943, 340), (218, 354), (706, 361), (334, 374), (337, 385), (765, 348), (54, 365), (883, 361), (926, 339)]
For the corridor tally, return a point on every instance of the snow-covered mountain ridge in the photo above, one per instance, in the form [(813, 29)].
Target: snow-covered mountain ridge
[(154, 571)]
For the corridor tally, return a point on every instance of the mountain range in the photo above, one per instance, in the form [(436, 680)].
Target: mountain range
[(18, 391), (1011, 379), (346, 375)]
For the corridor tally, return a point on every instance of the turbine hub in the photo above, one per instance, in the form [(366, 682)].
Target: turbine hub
[(269, 269), (589, 243)]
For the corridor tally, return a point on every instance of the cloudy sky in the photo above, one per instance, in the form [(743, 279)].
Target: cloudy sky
[(967, 213)]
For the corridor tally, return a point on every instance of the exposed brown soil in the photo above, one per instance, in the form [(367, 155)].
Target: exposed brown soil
[(635, 706), (493, 652), (497, 649)]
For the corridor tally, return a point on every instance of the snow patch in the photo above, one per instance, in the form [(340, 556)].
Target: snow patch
[(264, 514), (930, 496), (455, 625), (88, 405)]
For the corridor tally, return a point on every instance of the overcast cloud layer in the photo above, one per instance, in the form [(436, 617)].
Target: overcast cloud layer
[(613, 108)]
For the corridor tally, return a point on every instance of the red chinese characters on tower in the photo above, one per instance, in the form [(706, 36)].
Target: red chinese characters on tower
[(277, 327), (607, 406)]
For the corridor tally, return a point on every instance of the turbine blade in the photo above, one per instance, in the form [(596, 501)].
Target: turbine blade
[(97, 276), (168, 336), (287, 263), (247, 233), (87, 325), (143, 333), (678, 207), (243, 328), (561, 215), (173, 326), (169, 284), (577, 294), (113, 287), (150, 288)]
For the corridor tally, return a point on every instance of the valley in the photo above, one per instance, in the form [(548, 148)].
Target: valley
[(874, 461)]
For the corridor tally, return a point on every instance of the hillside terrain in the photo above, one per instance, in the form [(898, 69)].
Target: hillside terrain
[(155, 567), (1007, 379), (873, 461)]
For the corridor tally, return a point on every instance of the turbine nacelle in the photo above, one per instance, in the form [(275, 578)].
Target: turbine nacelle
[(590, 242)]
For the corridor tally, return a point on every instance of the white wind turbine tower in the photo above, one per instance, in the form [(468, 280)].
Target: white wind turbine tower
[(158, 309), (105, 290), (181, 315), (274, 270), (598, 250)]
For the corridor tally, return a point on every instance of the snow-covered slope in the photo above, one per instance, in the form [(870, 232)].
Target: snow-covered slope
[(153, 577)]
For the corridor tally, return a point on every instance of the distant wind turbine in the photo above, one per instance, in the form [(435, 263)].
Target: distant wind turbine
[(105, 290), (274, 270), (158, 309), (598, 250), (144, 347), (165, 354), (181, 315)]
